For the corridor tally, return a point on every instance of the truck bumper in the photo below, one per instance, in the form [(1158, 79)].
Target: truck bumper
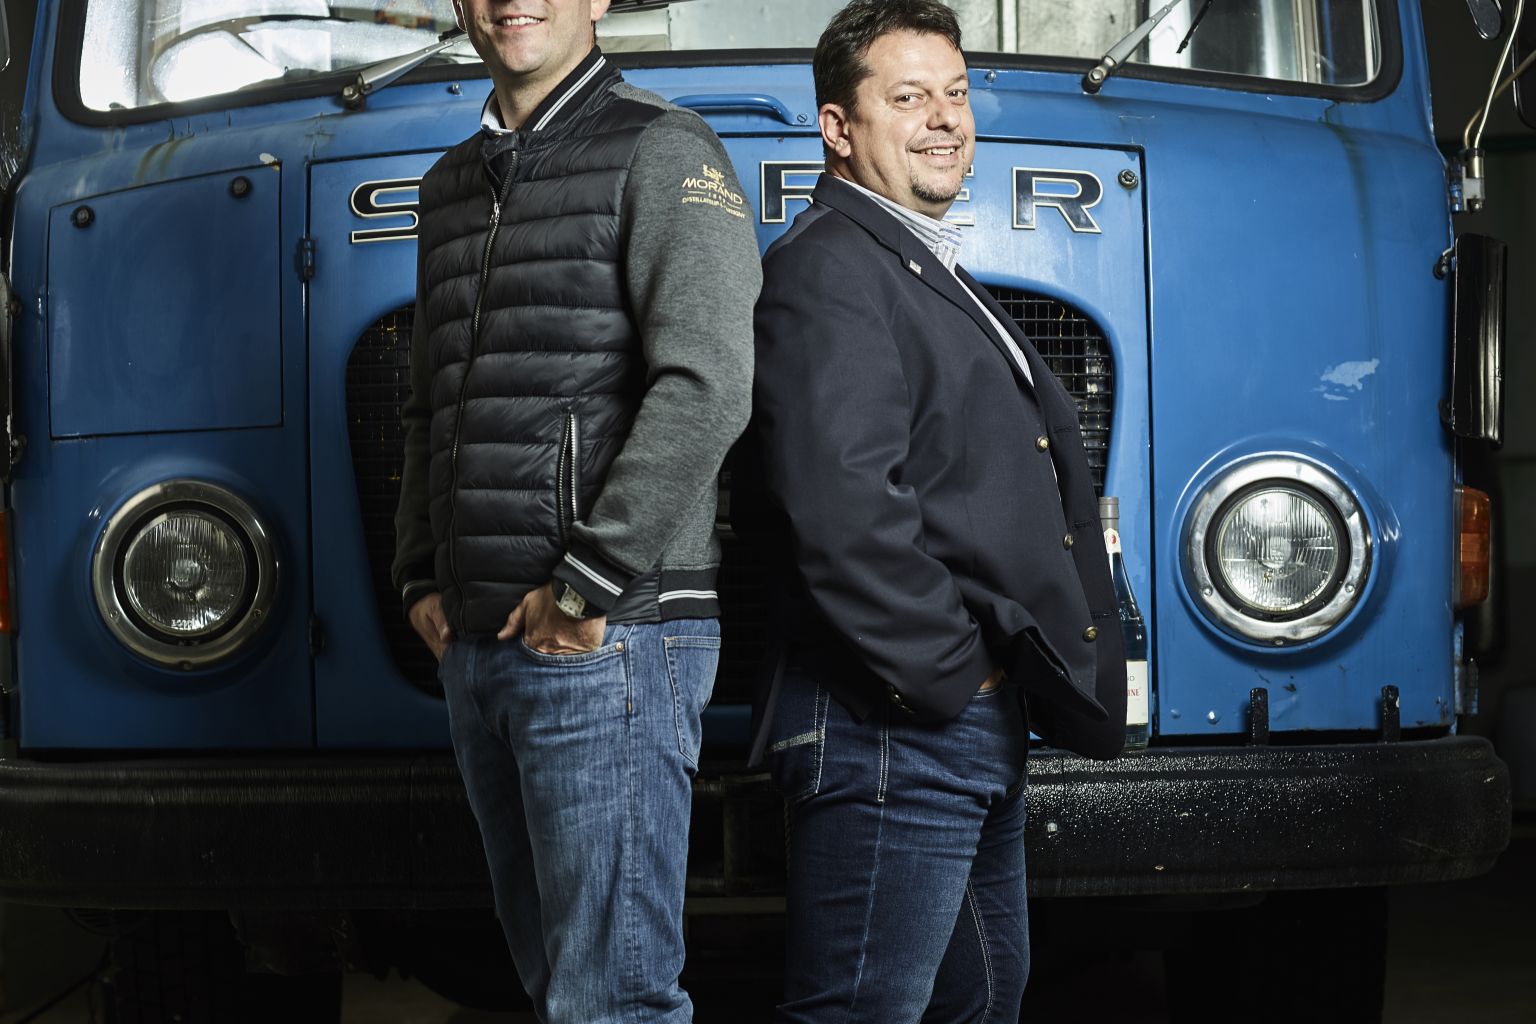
[(382, 831)]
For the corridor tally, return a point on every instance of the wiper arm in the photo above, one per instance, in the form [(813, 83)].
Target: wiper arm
[(373, 77), (630, 6), (1121, 51)]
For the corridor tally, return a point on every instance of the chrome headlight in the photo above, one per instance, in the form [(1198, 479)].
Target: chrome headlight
[(184, 573), (1277, 551)]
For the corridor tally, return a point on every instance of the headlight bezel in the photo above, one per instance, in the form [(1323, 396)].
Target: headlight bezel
[(137, 515), (1226, 609)]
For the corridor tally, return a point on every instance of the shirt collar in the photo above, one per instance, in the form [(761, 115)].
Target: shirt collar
[(571, 86), (941, 238)]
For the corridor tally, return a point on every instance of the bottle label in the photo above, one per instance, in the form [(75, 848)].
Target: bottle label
[(1136, 705), (1112, 540)]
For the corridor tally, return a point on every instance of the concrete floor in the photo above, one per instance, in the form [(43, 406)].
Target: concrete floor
[(1457, 952)]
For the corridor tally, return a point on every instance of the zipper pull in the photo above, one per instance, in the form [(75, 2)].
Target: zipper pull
[(495, 213)]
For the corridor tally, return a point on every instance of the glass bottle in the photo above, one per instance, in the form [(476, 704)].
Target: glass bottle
[(1134, 630)]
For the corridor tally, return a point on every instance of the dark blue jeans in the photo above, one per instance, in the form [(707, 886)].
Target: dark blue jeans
[(906, 861), (579, 771)]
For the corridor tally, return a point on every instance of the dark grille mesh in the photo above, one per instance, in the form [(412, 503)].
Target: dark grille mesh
[(378, 379), (1075, 349)]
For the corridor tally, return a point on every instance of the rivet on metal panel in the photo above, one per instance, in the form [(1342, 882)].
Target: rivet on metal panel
[(455, 89), (991, 77), (1212, 717), (1127, 178), (82, 217), (802, 118), (240, 187)]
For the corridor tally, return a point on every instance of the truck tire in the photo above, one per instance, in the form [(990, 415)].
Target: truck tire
[(189, 968)]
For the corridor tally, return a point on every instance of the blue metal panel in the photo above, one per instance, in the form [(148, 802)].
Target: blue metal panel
[(79, 687), (167, 295), (1299, 312)]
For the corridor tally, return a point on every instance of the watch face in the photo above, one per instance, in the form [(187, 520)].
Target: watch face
[(572, 603)]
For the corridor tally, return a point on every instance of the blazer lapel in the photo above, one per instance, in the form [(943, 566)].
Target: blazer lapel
[(923, 266), (1025, 342)]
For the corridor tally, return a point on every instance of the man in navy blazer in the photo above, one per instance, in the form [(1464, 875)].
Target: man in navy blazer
[(945, 587)]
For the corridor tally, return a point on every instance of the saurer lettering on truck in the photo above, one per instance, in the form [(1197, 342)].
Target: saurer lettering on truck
[(1070, 193)]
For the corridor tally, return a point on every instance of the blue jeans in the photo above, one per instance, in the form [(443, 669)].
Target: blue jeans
[(578, 769), (906, 861)]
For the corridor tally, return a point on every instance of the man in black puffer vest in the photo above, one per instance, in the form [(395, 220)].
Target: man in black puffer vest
[(581, 363)]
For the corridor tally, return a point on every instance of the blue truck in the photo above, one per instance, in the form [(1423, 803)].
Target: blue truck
[(1230, 238)]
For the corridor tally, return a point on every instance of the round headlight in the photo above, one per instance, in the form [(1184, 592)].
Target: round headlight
[(1277, 551), (184, 573)]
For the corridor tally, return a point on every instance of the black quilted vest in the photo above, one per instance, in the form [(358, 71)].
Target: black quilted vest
[(537, 369)]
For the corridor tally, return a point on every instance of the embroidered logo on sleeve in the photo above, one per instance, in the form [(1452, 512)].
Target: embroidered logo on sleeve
[(711, 189)]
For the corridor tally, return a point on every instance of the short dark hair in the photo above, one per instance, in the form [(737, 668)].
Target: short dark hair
[(839, 64)]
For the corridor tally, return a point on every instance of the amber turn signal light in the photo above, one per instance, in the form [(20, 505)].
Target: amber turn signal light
[(1474, 533)]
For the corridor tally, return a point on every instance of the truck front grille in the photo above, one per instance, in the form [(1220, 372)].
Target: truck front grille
[(1078, 353), (378, 380)]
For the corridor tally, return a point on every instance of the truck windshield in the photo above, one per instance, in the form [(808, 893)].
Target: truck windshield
[(137, 53)]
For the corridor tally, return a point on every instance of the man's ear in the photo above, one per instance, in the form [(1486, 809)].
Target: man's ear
[(834, 130), (458, 15), (599, 8)]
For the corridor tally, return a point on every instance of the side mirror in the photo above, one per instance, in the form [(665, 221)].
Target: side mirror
[(1525, 84), (1487, 16), (1476, 408)]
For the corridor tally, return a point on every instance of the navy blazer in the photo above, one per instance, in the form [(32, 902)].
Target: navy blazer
[(931, 510)]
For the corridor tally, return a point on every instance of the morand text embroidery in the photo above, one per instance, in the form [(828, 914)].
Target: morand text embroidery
[(710, 189)]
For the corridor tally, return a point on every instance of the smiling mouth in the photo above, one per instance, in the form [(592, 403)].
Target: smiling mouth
[(518, 21)]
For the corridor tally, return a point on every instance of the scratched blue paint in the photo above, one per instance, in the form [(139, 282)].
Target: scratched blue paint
[(1266, 285)]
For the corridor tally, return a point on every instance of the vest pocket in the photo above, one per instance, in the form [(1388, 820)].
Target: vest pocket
[(568, 477)]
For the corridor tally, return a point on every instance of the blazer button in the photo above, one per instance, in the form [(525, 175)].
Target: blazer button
[(1091, 634), (1066, 541), (1042, 442)]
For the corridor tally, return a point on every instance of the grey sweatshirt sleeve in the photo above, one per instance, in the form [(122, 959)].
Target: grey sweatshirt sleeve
[(412, 570), (693, 274)]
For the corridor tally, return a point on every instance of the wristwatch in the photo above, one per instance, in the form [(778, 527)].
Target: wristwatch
[(570, 602)]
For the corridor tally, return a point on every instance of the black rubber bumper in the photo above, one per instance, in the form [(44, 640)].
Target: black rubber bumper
[(397, 832)]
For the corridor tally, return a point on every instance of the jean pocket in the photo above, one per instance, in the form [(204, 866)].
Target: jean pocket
[(612, 647), (798, 741), (691, 665)]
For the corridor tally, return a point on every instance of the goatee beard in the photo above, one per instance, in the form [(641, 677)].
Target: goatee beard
[(928, 194)]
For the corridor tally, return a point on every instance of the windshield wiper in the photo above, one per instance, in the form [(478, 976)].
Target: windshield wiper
[(630, 6), (373, 77), (1093, 81)]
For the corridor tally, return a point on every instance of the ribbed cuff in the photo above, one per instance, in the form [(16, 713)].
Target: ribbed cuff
[(414, 591), (593, 577)]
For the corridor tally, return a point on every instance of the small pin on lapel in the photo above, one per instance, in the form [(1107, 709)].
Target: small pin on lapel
[(912, 266)]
